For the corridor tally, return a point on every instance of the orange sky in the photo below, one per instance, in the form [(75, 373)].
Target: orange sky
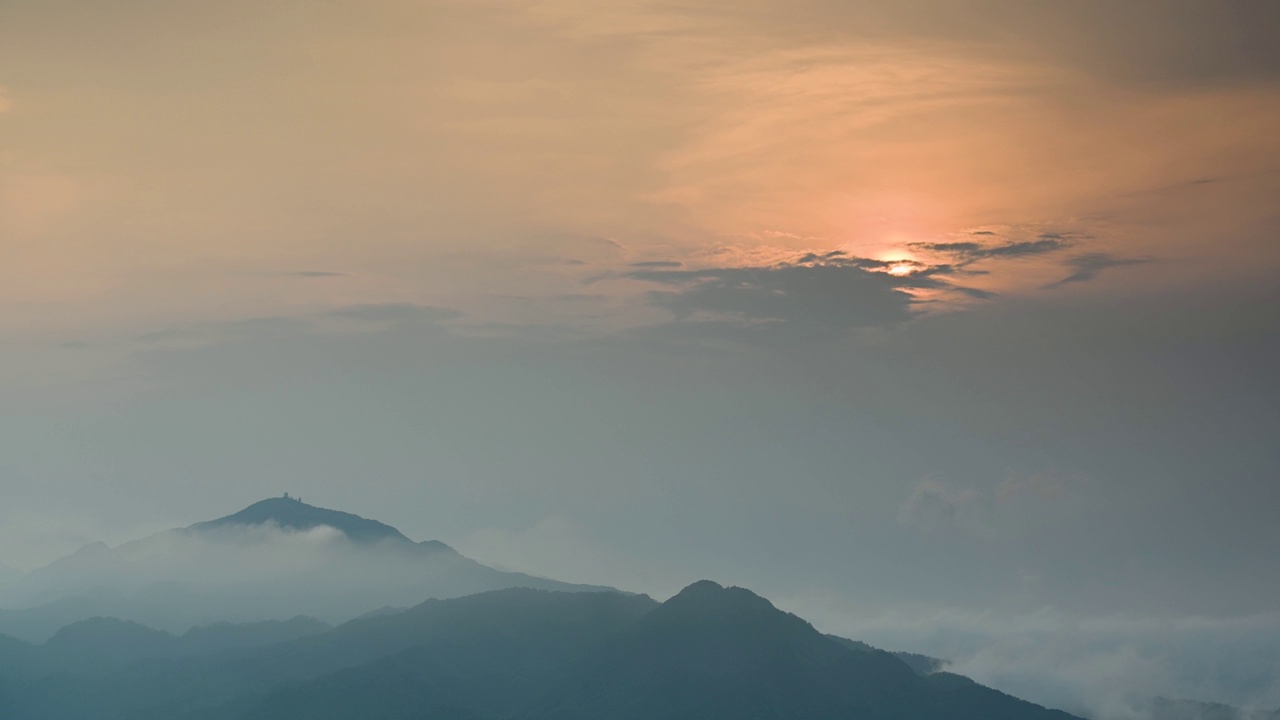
[(164, 163), (861, 303)]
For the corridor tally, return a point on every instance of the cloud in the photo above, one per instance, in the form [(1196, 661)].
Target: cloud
[(609, 243), (358, 317), (830, 290), (318, 274), (216, 332), (1025, 506), (658, 264), (1037, 487), (556, 547), (1087, 267), (177, 579), (934, 507), (394, 312), (970, 251), (1102, 667)]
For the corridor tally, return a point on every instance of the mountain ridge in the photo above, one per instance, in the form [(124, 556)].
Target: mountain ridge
[(263, 562), (708, 652), (289, 513)]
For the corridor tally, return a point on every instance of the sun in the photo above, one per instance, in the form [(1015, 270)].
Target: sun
[(902, 268)]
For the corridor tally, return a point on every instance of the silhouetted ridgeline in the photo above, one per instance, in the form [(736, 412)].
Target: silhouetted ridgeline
[(275, 559), (709, 652), (191, 624), (292, 514)]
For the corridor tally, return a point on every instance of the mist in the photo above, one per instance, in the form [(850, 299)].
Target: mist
[(1109, 667), (180, 579), (949, 327)]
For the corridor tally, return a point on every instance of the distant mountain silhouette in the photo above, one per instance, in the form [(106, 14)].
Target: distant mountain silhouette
[(109, 639), (260, 563), (921, 664), (18, 663), (707, 653), (112, 641), (293, 514), (225, 636), (9, 574), (712, 652), (491, 654)]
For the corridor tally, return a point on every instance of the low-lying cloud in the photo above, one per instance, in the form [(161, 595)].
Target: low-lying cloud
[(1104, 667), (179, 579)]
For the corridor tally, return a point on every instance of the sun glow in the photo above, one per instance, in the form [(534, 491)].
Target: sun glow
[(902, 268)]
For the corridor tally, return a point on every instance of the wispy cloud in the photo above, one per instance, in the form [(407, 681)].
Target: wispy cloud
[(970, 251), (933, 507), (318, 274), (823, 290), (655, 264), (1087, 267), (394, 312)]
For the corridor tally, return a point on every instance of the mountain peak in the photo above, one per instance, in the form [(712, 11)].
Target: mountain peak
[(707, 614), (708, 597), (702, 587), (101, 638), (293, 514)]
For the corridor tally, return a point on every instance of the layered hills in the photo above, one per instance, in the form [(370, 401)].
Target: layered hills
[(519, 654), (288, 610), (273, 560)]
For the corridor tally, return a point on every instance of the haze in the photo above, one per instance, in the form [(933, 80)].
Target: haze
[(946, 325)]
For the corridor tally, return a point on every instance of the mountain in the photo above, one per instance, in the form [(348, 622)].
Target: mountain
[(17, 661), (273, 560), (225, 636), (487, 656), (114, 641), (712, 652), (519, 654), (109, 640), (494, 649), (921, 664), (99, 666), (292, 514), (8, 574)]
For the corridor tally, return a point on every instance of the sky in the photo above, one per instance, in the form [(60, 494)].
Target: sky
[(926, 310)]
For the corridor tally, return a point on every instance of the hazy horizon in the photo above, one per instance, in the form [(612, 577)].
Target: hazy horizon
[(951, 326)]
